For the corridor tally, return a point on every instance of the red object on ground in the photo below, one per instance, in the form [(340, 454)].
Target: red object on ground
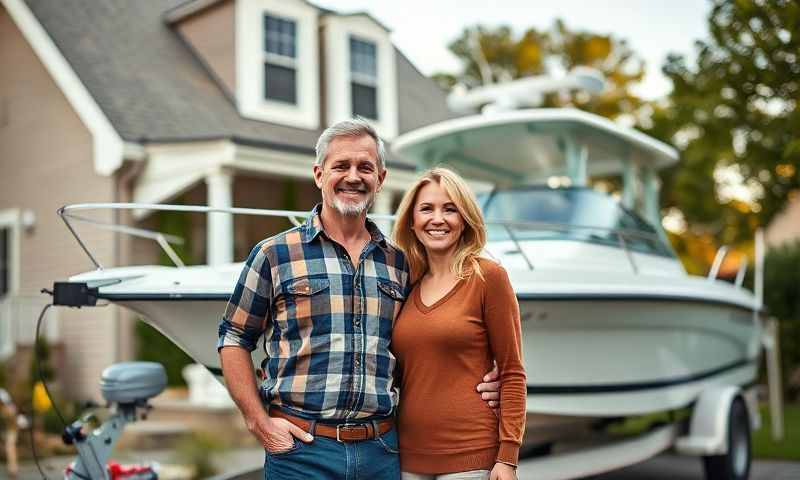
[(125, 472)]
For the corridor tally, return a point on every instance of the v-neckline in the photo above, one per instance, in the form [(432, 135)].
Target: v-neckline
[(427, 309)]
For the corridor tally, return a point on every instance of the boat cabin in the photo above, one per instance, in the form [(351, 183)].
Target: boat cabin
[(556, 175)]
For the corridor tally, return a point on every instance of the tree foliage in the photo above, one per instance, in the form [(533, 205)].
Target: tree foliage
[(553, 51), (733, 114)]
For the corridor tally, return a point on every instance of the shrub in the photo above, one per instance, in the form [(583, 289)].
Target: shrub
[(154, 347), (782, 298)]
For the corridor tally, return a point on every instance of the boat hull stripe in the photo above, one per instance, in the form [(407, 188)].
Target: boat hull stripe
[(609, 388), (524, 297), (635, 386)]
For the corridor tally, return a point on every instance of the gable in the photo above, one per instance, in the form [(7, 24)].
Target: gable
[(211, 35), (107, 144)]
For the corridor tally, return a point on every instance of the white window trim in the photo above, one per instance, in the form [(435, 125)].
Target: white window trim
[(362, 79), (337, 32), (250, 57), (280, 60)]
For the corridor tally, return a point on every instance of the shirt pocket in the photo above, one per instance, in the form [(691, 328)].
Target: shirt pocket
[(391, 299), (302, 299)]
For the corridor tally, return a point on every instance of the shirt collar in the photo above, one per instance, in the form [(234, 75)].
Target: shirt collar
[(313, 227)]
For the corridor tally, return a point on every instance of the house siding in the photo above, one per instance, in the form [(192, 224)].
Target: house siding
[(45, 162), (211, 33), (785, 227)]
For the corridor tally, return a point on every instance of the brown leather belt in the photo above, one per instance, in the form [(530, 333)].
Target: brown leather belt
[(342, 432)]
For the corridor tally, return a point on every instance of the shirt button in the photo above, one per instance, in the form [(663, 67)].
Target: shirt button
[(356, 322)]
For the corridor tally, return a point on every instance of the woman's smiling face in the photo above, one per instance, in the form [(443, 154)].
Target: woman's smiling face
[(437, 222)]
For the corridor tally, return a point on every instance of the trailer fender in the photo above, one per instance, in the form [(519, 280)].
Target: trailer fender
[(708, 429)]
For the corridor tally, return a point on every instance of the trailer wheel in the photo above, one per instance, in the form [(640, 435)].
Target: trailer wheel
[(734, 465)]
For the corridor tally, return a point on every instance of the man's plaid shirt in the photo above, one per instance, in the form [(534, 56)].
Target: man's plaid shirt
[(327, 325)]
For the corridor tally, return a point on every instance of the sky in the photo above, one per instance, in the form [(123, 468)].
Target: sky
[(653, 28)]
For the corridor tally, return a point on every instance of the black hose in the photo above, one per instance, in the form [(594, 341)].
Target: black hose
[(47, 391)]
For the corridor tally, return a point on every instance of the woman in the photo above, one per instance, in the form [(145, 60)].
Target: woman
[(460, 316)]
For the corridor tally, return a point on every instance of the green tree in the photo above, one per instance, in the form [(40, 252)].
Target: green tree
[(733, 113), (506, 56)]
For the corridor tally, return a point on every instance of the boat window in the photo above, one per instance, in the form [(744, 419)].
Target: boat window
[(570, 213)]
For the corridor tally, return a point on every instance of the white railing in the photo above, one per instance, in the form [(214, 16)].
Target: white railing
[(18, 315), (67, 213)]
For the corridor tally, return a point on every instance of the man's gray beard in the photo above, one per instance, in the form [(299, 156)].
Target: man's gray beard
[(353, 209)]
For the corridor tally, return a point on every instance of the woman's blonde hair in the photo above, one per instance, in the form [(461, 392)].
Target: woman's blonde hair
[(473, 237)]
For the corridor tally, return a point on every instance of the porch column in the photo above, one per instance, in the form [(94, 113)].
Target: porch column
[(219, 232), (383, 206)]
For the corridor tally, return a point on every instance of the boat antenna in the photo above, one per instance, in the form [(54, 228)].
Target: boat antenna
[(523, 92), (476, 50)]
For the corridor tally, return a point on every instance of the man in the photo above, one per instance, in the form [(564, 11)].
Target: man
[(324, 296)]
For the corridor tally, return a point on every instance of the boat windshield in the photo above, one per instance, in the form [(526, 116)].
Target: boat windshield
[(570, 213)]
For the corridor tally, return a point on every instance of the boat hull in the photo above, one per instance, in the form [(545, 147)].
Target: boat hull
[(613, 357), (583, 357)]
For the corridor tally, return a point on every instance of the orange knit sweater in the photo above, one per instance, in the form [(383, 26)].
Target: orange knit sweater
[(443, 351)]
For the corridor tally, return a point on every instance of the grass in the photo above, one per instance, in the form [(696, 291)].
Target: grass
[(789, 447)]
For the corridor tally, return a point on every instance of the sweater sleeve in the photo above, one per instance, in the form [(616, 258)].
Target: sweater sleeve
[(502, 319)]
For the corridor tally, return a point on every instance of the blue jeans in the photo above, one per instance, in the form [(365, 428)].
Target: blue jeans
[(327, 459)]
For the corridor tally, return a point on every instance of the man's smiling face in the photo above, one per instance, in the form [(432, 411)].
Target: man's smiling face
[(350, 175)]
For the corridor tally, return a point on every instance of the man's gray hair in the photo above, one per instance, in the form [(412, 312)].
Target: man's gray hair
[(355, 127)]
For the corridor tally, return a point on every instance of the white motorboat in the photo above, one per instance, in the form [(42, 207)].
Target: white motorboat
[(612, 323), (613, 326)]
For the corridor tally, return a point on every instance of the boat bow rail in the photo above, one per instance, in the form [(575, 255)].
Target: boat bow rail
[(68, 214)]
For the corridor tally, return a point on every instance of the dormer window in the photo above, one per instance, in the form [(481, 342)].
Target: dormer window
[(277, 62), (364, 78), (360, 72), (280, 59)]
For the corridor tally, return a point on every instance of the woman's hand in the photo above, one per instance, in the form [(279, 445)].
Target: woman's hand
[(503, 471)]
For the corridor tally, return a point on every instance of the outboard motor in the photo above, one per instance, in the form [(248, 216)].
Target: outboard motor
[(132, 383), (126, 387)]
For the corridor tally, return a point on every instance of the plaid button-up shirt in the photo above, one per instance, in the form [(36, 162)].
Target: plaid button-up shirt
[(327, 325)]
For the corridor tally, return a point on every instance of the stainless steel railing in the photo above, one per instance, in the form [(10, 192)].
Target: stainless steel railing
[(68, 214)]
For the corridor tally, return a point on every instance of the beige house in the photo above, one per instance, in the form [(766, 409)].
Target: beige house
[(209, 102), (785, 227)]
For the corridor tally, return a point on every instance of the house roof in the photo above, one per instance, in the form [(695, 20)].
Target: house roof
[(186, 8), (153, 88)]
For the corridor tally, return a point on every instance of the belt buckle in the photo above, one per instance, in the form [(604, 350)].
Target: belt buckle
[(346, 425)]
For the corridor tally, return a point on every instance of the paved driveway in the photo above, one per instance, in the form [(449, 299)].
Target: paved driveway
[(673, 467), (663, 467)]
